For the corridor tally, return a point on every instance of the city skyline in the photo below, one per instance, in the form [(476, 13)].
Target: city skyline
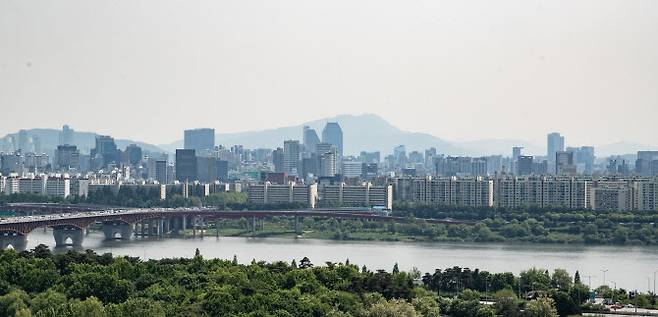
[(423, 67), (476, 147)]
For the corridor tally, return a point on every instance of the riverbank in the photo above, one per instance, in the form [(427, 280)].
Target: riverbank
[(527, 232)]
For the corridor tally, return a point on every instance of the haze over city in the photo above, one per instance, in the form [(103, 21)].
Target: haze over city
[(419, 158), (144, 70)]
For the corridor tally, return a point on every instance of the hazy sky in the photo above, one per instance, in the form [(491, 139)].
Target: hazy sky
[(461, 70)]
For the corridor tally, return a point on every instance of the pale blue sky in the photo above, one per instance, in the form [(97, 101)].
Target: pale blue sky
[(461, 70)]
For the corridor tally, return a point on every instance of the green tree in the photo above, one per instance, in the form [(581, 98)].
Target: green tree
[(541, 307), (50, 303), (391, 308), (564, 304), (534, 279), (426, 306), (14, 302), (90, 307), (561, 280), (137, 307)]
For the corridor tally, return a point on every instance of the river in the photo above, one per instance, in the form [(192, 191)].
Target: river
[(630, 267)]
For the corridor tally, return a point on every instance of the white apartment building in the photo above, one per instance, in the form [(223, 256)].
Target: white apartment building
[(365, 195), (269, 193), (59, 187), (32, 185), (468, 192)]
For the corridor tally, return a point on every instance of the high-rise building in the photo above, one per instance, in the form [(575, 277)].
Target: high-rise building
[(370, 157), (564, 163), (11, 163), (134, 154), (36, 144), (161, 171), (524, 165), (105, 152), (430, 154), (67, 157), (199, 139), (333, 134), (222, 170), (310, 139), (416, 157), (23, 141), (66, 136), (461, 166), (277, 160), (352, 169), (516, 152), (186, 165), (400, 155), (310, 165), (292, 157), (328, 157), (206, 169), (555, 143), (584, 158), (647, 163)]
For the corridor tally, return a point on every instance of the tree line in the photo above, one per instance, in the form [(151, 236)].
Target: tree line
[(40, 283)]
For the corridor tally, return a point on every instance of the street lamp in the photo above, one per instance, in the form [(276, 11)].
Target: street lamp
[(604, 271), (614, 290), (654, 283), (589, 280)]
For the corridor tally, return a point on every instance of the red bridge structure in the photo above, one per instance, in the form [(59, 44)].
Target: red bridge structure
[(124, 223)]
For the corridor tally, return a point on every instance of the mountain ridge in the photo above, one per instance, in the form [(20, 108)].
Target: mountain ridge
[(374, 134), (85, 141), (362, 132)]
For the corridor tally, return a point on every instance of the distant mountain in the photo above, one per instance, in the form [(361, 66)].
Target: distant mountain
[(621, 148), (85, 141), (366, 132)]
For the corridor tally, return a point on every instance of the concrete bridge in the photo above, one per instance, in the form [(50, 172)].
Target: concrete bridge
[(123, 223), (29, 209)]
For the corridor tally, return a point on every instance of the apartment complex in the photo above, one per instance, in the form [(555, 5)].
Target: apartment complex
[(364, 195), (467, 192), (268, 193), (541, 192), (560, 192), (327, 195)]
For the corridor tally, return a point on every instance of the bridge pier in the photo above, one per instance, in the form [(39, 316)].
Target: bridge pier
[(62, 233), (143, 227), (298, 226), (154, 228), (217, 228), (112, 228), (16, 240), (175, 224), (253, 226), (194, 227)]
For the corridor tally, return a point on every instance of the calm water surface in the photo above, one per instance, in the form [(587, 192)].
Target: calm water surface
[(630, 267)]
